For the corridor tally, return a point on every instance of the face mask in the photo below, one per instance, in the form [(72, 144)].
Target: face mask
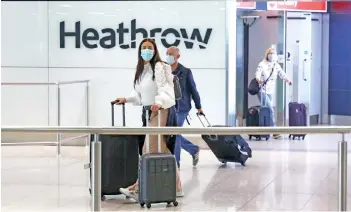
[(170, 59), (147, 54), (272, 57)]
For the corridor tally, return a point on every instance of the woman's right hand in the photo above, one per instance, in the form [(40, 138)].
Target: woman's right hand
[(120, 101)]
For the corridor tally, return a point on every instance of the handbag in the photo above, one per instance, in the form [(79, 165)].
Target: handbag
[(254, 87), (176, 84), (177, 88)]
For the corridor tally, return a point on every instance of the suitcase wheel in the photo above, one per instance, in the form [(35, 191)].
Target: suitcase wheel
[(142, 204), (175, 203), (103, 198), (224, 162), (148, 205)]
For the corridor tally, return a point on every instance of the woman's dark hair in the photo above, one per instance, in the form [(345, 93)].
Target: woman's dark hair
[(140, 66)]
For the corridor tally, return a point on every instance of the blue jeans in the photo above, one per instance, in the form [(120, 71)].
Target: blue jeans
[(182, 142), (266, 101)]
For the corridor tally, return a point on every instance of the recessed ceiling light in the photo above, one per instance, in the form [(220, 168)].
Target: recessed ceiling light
[(65, 5)]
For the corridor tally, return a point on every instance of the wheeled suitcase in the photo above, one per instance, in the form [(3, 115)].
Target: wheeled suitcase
[(253, 119), (157, 174), (259, 116), (264, 115), (119, 160), (297, 117), (224, 147)]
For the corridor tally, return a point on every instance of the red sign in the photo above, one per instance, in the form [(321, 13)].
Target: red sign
[(311, 6), (246, 5), (341, 6)]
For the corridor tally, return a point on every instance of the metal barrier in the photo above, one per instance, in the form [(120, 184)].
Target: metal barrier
[(96, 146), (58, 85)]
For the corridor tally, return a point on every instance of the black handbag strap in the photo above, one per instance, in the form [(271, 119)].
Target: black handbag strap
[(269, 76)]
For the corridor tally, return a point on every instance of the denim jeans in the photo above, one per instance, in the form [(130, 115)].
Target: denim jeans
[(182, 142), (266, 101)]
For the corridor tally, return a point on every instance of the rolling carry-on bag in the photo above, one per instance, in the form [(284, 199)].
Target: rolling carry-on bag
[(297, 117), (157, 174), (224, 147), (262, 114), (253, 118), (265, 114), (119, 159)]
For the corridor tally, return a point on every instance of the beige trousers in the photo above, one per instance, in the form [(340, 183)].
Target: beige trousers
[(153, 142), (153, 139)]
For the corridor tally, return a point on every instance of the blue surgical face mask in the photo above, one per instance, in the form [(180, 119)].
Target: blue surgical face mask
[(147, 54), (170, 59)]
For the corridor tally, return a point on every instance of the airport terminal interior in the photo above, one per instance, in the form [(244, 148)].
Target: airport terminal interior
[(63, 62)]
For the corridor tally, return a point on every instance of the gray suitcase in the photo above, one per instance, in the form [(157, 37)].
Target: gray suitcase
[(157, 174)]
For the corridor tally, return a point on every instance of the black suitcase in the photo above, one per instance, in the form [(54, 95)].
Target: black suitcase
[(258, 116), (253, 119), (224, 147), (157, 175), (119, 160)]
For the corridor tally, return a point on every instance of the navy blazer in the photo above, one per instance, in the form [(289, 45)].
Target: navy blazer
[(171, 122), (188, 87)]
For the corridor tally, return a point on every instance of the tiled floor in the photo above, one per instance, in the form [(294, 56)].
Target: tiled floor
[(282, 175)]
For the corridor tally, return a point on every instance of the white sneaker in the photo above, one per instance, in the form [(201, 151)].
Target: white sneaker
[(129, 193), (180, 193)]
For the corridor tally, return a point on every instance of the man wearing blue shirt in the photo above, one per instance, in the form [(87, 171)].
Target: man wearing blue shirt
[(189, 91)]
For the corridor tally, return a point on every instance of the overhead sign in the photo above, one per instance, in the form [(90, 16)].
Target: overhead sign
[(315, 6), (246, 5), (108, 38)]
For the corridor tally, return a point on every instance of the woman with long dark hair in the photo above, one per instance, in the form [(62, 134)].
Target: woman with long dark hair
[(153, 86)]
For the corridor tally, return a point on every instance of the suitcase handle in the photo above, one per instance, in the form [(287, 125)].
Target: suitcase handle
[(211, 137), (113, 103), (203, 115)]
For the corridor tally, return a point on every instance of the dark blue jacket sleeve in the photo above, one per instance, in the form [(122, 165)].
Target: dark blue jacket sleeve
[(193, 90)]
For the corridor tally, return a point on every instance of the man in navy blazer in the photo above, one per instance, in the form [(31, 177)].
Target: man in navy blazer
[(189, 92)]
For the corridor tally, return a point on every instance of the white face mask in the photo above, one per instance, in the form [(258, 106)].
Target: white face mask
[(274, 57)]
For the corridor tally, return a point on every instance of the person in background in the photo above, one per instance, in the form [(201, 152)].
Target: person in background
[(269, 69), (189, 91), (153, 86)]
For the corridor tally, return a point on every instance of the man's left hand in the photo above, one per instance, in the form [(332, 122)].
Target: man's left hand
[(200, 111), (289, 82)]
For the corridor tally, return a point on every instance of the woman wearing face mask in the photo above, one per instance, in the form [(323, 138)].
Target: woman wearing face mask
[(269, 69), (153, 86)]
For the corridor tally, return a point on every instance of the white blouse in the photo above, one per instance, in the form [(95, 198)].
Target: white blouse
[(159, 91), (264, 69)]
